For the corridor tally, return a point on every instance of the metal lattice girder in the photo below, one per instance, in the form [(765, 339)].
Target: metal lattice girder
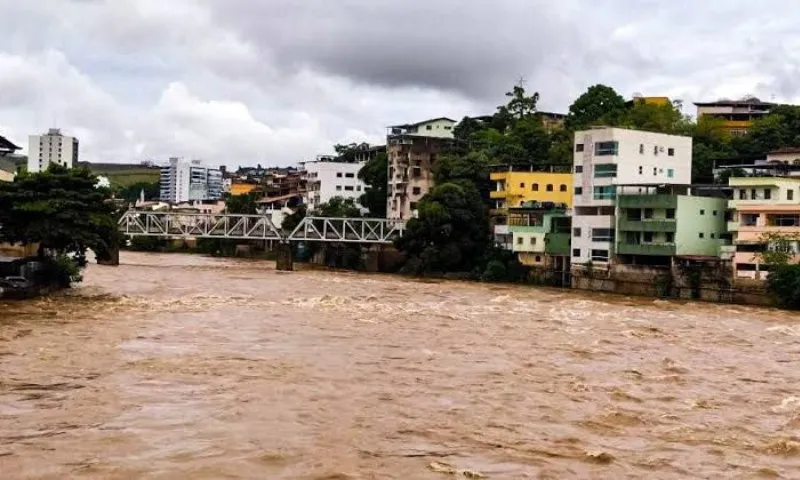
[(354, 230), (198, 225)]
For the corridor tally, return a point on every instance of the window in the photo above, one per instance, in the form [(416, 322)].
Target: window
[(549, 187), (671, 152), (350, 175), (538, 259), (576, 232), (742, 194), (349, 188), (338, 188), (578, 190), (599, 255), (714, 213), (655, 170), (338, 174), (670, 173), (429, 127), (670, 213), (605, 170), (521, 185), (562, 188), (655, 150), (753, 195), (576, 252), (702, 212), (416, 190), (648, 213), (448, 127), (578, 168), (413, 205), (579, 147), (416, 172), (767, 194), (605, 193), (606, 148), (647, 237), (358, 188), (535, 187), (789, 194), (602, 234), (533, 240), (702, 235), (670, 237), (712, 236), (641, 148), (641, 169), (520, 240)]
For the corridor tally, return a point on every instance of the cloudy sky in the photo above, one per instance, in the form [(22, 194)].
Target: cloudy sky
[(241, 82)]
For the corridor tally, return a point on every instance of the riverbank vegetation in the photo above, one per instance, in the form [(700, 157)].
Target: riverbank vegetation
[(65, 214)]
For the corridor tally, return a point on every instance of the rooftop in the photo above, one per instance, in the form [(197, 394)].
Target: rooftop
[(6, 146), (409, 125), (725, 102)]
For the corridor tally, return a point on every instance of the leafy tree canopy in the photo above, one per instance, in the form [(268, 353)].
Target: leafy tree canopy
[(338, 207), (242, 204), (600, 104), (374, 174)]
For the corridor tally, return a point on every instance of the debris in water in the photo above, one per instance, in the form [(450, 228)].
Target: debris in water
[(600, 457), (452, 470)]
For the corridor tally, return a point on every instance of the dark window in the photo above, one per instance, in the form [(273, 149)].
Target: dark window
[(578, 168), (712, 236), (576, 232), (702, 212), (789, 194), (655, 150), (606, 148), (753, 195), (535, 187), (576, 252), (416, 172), (702, 235), (742, 194), (579, 147), (521, 185), (670, 213), (338, 188), (600, 255), (648, 213), (714, 213), (348, 189), (338, 174), (416, 190), (641, 170), (549, 187), (641, 148), (670, 237), (429, 127), (767, 194), (350, 175), (578, 190), (606, 170), (602, 234), (671, 152), (538, 258), (655, 170), (648, 237), (562, 188)]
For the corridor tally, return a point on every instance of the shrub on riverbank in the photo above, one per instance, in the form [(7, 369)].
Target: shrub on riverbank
[(61, 271), (783, 283)]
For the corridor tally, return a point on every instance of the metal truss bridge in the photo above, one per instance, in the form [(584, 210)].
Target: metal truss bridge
[(258, 227)]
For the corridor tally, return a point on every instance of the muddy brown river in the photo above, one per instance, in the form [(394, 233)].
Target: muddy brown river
[(174, 366)]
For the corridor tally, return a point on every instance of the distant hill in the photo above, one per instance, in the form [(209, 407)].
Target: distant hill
[(124, 174)]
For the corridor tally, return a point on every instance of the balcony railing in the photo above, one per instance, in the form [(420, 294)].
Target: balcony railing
[(652, 249), (648, 201), (648, 225)]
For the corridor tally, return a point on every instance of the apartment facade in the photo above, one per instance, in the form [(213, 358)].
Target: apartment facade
[(605, 157), (656, 224), (185, 181), (540, 234), (737, 115), (762, 207), (515, 188), (329, 179), (52, 148), (412, 151)]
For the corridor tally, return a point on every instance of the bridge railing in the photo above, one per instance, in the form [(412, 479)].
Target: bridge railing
[(353, 230)]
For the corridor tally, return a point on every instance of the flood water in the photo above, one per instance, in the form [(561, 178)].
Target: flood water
[(174, 366)]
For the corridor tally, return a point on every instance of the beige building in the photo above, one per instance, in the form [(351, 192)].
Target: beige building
[(51, 148), (412, 151)]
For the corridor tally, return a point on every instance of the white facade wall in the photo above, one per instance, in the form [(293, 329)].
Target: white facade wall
[(51, 148), (183, 181), (332, 179), (642, 158)]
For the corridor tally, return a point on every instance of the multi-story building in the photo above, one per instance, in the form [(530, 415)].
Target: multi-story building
[(540, 234), (605, 157), (737, 115), (412, 151), (658, 223), (51, 148), (762, 207), (328, 179), (185, 181), (369, 152), (8, 168)]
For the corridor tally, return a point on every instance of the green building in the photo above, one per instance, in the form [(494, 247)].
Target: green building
[(657, 223), (540, 234)]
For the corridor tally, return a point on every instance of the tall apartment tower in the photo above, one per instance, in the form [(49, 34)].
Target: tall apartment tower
[(605, 158), (51, 148), (412, 151), (184, 181)]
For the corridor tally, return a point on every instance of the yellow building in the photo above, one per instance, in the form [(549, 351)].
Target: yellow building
[(242, 188), (514, 188), (650, 100), (737, 116)]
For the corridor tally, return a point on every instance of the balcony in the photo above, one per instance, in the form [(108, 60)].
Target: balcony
[(648, 225), (652, 249), (647, 201), (497, 194)]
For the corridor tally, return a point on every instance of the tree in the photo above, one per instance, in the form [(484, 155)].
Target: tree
[(599, 104), (471, 169), (664, 118), (347, 153), (374, 174), (290, 222), (519, 105), (131, 193), (338, 207), (450, 234), (61, 210), (242, 204)]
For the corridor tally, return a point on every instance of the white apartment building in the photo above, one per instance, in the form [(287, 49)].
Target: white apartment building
[(51, 148), (328, 179), (607, 157), (186, 181)]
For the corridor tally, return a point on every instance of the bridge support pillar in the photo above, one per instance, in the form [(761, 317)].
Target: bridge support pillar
[(284, 258), (370, 257)]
